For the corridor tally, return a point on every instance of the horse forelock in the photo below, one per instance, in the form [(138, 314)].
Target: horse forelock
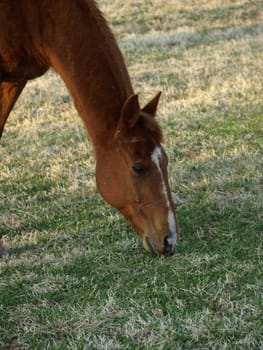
[(151, 125), (145, 127)]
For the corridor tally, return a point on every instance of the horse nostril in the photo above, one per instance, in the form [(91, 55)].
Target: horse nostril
[(168, 247)]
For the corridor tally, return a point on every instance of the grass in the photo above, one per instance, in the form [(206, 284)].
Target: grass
[(77, 276)]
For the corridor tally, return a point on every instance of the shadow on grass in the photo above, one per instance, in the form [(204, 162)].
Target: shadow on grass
[(191, 38)]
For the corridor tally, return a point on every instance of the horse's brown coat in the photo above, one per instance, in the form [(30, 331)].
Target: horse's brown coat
[(74, 39)]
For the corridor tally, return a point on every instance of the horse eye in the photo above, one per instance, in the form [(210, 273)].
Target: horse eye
[(139, 169)]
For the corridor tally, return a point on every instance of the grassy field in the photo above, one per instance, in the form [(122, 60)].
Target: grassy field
[(77, 276)]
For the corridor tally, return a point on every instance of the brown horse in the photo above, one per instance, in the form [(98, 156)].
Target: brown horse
[(74, 39)]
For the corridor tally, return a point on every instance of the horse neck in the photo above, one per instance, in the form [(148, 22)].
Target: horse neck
[(85, 54)]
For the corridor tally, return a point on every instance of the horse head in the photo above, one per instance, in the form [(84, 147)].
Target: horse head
[(131, 175)]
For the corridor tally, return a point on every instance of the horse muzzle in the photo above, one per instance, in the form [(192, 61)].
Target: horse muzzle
[(167, 249)]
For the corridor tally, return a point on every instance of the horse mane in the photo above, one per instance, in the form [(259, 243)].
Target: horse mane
[(150, 124)]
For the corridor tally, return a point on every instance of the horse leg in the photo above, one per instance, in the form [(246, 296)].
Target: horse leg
[(9, 92)]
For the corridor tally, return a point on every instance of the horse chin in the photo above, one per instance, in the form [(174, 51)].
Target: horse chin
[(150, 246)]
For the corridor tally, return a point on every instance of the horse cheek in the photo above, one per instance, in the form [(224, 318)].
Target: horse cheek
[(110, 182)]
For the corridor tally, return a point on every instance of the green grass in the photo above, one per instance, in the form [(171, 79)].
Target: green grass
[(77, 276)]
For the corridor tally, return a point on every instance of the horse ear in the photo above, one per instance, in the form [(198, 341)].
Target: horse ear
[(151, 107), (130, 113)]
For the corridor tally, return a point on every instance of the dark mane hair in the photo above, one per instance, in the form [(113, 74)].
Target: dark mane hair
[(149, 123)]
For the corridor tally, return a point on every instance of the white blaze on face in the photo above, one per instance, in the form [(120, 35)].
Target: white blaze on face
[(156, 156)]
